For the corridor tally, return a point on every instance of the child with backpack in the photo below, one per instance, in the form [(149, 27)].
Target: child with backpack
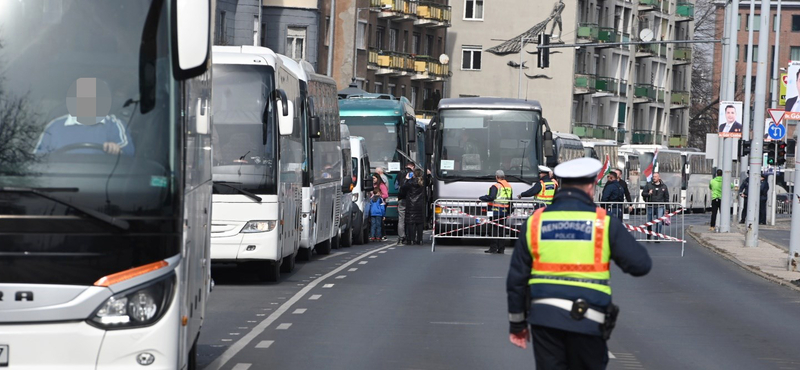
[(377, 211)]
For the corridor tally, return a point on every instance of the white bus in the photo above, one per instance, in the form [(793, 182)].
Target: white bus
[(322, 174), (257, 161), (669, 165), (348, 191), (566, 147), (105, 183), (698, 172)]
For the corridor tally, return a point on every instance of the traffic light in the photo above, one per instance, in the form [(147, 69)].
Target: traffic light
[(770, 153), (791, 147), (744, 148), (543, 54), (781, 160)]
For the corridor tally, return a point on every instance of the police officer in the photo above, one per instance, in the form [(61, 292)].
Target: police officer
[(560, 270), (499, 198), (545, 189)]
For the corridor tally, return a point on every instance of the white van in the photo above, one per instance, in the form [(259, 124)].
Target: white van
[(363, 188)]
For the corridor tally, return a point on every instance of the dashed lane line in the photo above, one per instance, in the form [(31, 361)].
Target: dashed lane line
[(264, 343), (240, 344), (299, 311), (337, 254), (242, 366)]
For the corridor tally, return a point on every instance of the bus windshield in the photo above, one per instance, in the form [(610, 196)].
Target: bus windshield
[(241, 159), (88, 139), (382, 137), (476, 143)]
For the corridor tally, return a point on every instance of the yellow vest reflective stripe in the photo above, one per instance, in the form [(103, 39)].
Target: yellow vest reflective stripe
[(571, 246), (504, 194), (548, 191)]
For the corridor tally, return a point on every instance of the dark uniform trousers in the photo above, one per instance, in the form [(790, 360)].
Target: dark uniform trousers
[(555, 349)]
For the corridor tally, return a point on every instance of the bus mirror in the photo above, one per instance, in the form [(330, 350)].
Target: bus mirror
[(347, 184), (192, 25), (314, 129), (412, 131), (429, 136), (366, 184), (286, 121), (547, 142)]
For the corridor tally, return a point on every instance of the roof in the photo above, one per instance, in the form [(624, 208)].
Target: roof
[(489, 103), (293, 67), (370, 107), (243, 55)]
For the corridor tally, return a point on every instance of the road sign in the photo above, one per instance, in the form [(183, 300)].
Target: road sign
[(776, 114), (777, 132)]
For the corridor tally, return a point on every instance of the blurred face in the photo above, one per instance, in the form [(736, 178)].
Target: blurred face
[(730, 115), (656, 177), (374, 179), (619, 173)]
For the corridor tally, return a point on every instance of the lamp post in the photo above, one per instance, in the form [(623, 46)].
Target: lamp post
[(355, 42)]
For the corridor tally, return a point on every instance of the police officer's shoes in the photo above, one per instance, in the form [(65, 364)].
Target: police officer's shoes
[(491, 250)]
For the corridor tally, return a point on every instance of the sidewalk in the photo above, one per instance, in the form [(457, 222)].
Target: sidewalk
[(766, 260)]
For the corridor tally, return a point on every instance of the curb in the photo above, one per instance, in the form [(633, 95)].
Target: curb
[(750, 268)]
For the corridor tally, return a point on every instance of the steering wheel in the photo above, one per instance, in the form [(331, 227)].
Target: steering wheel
[(78, 146)]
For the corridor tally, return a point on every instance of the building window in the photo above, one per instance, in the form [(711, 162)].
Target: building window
[(414, 90), (774, 25), (471, 58), (794, 52), (221, 30), (362, 30), (756, 23), (737, 53), (415, 43), (378, 88), (755, 53), (379, 31), (473, 9), (392, 90), (429, 46), (393, 38), (296, 43), (739, 22), (263, 34), (327, 30), (796, 23)]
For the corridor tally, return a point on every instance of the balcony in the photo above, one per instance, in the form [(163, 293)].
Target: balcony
[(623, 87), (645, 5), (684, 12), (396, 10), (660, 94), (607, 84), (391, 63), (429, 69), (621, 135), (589, 131), (682, 55), (643, 51), (432, 15), (372, 59), (643, 93), (678, 141), (680, 99), (585, 83), (607, 34), (643, 137), (588, 32)]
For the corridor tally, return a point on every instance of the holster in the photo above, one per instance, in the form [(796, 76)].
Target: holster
[(612, 311)]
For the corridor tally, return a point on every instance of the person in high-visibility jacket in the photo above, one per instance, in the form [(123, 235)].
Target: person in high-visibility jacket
[(545, 189), (558, 279), (499, 199)]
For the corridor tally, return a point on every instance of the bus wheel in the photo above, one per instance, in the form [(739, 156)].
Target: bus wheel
[(191, 361), (304, 254), (347, 238), (324, 247), (288, 263), (268, 271)]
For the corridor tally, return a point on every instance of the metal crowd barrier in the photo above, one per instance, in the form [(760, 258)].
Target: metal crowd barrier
[(469, 219)]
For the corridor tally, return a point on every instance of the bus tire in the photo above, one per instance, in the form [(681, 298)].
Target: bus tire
[(305, 254), (324, 247), (288, 263), (347, 238), (191, 361), (268, 271)]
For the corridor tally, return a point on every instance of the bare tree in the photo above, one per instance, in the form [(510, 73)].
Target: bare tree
[(705, 94), (19, 130)]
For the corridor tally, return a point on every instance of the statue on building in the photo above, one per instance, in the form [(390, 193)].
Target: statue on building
[(514, 45), (556, 17)]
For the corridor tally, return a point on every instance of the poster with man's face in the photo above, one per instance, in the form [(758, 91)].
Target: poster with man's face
[(730, 119), (792, 104)]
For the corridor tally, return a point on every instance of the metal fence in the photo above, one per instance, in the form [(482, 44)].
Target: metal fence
[(468, 219)]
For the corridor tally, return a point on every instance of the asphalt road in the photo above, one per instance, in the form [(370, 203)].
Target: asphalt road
[(382, 306)]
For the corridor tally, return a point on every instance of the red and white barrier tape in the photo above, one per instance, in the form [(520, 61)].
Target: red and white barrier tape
[(642, 229), (661, 219), (482, 221)]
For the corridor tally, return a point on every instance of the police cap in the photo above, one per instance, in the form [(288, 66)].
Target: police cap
[(544, 169), (579, 171)]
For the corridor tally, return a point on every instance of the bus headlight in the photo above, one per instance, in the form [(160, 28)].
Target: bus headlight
[(259, 226), (137, 307), (523, 212)]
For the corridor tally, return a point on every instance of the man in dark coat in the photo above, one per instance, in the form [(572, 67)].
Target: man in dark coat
[(413, 191)]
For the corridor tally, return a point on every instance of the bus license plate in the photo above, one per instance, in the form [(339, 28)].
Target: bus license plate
[(3, 355)]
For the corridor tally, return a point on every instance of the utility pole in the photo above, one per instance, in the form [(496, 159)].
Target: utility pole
[(727, 154), (754, 188), (723, 82), (331, 28), (773, 105), (794, 235), (748, 101)]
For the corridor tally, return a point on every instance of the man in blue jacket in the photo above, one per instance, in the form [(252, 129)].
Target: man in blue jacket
[(558, 280)]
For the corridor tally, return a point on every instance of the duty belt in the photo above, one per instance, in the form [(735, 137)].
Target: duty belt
[(578, 309), (566, 278)]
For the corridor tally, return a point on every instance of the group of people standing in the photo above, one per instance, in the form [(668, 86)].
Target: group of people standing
[(744, 189), (411, 184)]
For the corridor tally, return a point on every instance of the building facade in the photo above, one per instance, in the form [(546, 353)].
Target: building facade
[(291, 28), (237, 22), (634, 94), (789, 48), (389, 46)]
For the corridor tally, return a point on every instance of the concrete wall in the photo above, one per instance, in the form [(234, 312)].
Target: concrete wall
[(238, 21), (278, 20), (505, 19)]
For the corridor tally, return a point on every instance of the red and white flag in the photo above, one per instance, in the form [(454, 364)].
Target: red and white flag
[(648, 172), (604, 171)]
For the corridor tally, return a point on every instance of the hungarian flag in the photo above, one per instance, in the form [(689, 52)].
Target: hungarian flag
[(648, 172), (604, 172)]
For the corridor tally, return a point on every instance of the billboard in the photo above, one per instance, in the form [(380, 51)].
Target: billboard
[(730, 119), (792, 86), (782, 98)]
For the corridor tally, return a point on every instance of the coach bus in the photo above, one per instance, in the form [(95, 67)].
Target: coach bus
[(105, 183), (698, 172), (258, 157)]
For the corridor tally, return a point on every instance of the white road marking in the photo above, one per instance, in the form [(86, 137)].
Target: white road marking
[(261, 314), (333, 255), (353, 269), (251, 321), (373, 256), (611, 355), (363, 262), (227, 340), (315, 297), (264, 343), (284, 326), (382, 252), (327, 286), (341, 276), (234, 334), (242, 366), (299, 311), (256, 331)]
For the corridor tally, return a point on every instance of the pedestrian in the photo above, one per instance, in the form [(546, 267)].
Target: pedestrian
[(656, 193), (377, 213), (613, 193), (558, 280), (413, 191), (743, 190), (380, 173), (625, 189), (764, 194), (716, 198), (401, 202), (499, 198), (545, 189)]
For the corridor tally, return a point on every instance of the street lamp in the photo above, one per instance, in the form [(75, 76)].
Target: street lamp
[(355, 42)]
